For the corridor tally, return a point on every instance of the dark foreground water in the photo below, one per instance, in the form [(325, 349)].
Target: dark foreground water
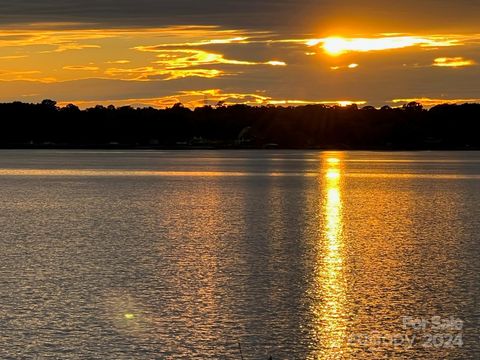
[(184, 255)]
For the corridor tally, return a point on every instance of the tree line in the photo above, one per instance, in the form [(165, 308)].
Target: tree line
[(411, 126)]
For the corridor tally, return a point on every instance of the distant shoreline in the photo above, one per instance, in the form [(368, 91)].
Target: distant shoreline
[(221, 148), (311, 127)]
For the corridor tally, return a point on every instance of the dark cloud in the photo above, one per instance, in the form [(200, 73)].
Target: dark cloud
[(268, 14), (149, 12)]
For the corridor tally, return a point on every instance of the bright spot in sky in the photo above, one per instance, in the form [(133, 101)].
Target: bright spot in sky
[(348, 103), (277, 63), (350, 66), (336, 46), (313, 42)]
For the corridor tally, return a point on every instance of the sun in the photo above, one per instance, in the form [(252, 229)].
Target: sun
[(335, 46)]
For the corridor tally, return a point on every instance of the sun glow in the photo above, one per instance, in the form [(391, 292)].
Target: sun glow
[(276, 63), (336, 46)]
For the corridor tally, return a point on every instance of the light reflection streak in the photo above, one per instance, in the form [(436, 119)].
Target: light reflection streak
[(331, 175), (124, 173), (330, 312)]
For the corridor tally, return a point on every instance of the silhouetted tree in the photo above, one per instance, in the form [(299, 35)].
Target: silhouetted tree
[(313, 126)]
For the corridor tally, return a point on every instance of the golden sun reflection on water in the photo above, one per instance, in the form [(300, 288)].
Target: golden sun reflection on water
[(331, 324)]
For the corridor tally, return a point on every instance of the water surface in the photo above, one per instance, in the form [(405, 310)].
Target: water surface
[(185, 255)]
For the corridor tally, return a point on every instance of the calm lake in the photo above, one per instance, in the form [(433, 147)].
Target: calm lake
[(231, 254)]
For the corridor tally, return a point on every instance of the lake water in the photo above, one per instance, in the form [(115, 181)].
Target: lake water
[(186, 255)]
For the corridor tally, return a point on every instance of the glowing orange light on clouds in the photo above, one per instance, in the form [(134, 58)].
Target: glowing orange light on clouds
[(276, 63), (44, 52), (429, 102), (336, 46), (196, 98), (452, 62), (350, 66), (342, 103)]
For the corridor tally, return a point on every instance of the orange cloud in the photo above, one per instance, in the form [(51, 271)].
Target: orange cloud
[(350, 66), (184, 58), (48, 45), (81, 68), (429, 102), (148, 72), (452, 62), (196, 98), (13, 57), (336, 46), (27, 75), (73, 46), (235, 40), (118, 62)]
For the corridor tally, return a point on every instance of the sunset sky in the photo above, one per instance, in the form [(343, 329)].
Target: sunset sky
[(159, 52)]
